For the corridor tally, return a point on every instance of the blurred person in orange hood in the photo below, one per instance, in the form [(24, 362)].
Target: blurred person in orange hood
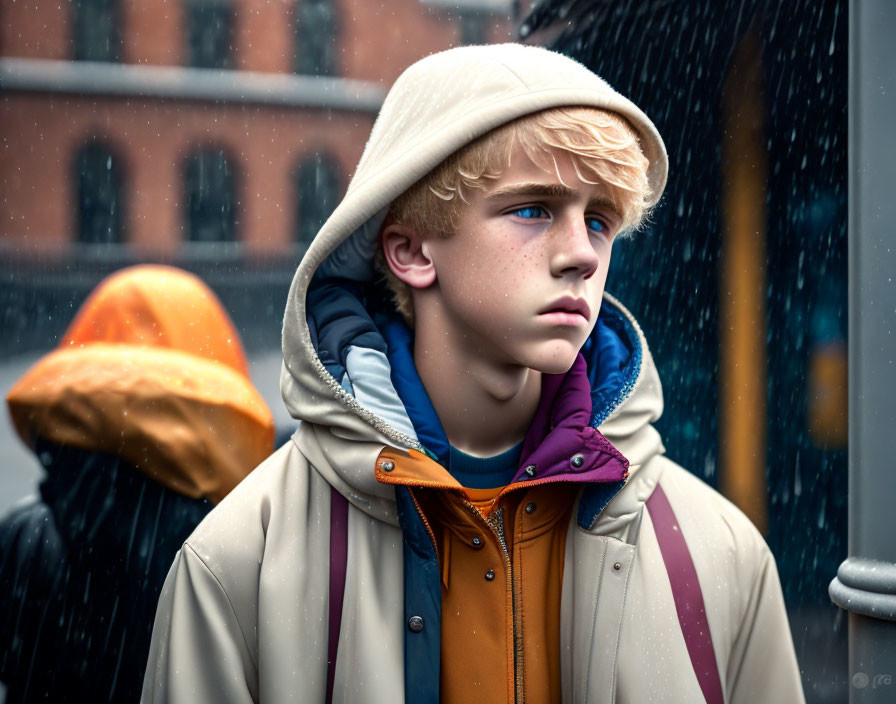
[(144, 417)]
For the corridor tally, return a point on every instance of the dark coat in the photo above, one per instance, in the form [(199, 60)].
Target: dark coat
[(81, 568)]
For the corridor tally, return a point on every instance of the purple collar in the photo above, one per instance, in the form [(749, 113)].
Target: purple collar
[(560, 444)]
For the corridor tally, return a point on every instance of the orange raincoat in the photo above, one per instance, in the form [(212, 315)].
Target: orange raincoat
[(151, 370)]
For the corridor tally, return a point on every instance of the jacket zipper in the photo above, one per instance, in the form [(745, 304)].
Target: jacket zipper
[(496, 521)]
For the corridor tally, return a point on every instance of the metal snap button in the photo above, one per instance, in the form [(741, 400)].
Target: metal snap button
[(477, 542), (415, 623), (530, 507), (489, 576), (577, 460), (617, 566), (388, 466), (530, 470)]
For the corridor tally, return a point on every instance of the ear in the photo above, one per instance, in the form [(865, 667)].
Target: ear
[(407, 255)]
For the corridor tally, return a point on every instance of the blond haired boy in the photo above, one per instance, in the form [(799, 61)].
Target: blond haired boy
[(475, 506)]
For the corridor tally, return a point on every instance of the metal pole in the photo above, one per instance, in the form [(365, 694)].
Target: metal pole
[(866, 582)]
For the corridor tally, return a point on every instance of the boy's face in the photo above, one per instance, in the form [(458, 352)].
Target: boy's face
[(521, 280)]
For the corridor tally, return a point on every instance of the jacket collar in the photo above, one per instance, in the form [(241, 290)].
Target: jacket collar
[(561, 444)]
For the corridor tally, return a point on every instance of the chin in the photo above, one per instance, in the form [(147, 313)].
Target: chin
[(556, 358), (555, 367)]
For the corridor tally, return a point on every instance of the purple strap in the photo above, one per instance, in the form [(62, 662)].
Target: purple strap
[(338, 558), (687, 595)]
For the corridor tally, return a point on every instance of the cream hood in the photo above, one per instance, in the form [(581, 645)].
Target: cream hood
[(435, 107)]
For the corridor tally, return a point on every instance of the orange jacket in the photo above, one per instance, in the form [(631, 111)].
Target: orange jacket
[(151, 369), (502, 564)]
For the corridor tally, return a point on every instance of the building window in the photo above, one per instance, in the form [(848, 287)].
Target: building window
[(318, 184), (96, 25), (210, 197), (98, 175), (209, 33), (316, 32)]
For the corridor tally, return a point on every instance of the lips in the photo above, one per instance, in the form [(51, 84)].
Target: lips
[(568, 305)]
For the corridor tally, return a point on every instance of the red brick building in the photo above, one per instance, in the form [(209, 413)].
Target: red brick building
[(161, 125)]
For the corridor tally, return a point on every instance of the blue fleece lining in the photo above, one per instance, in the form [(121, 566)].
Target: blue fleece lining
[(407, 383), (613, 358)]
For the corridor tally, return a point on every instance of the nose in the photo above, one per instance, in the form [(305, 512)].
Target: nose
[(573, 251)]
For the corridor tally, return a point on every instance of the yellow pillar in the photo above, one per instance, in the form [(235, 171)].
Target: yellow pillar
[(742, 361)]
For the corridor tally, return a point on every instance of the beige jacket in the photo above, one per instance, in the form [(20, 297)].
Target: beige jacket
[(243, 616)]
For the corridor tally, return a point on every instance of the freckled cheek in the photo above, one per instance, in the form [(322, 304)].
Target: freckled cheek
[(509, 276), (504, 267), (498, 268)]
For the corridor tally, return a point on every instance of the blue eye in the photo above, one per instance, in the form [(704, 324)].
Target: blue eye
[(595, 224), (530, 212)]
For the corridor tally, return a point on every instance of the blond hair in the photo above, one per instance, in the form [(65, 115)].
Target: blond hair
[(604, 149)]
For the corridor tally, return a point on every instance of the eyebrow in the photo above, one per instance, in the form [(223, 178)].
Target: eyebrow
[(547, 190)]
